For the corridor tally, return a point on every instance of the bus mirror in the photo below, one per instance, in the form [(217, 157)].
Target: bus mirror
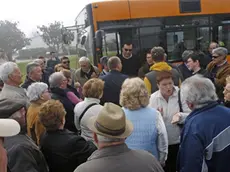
[(99, 39), (65, 38), (83, 39)]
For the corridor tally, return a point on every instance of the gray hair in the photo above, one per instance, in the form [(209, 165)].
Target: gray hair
[(113, 62), (35, 90), (55, 79), (107, 139), (6, 69), (186, 54), (199, 91), (31, 66), (38, 61), (84, 59), (220, 51)]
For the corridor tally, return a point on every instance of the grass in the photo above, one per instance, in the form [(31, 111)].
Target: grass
[(73, 64)]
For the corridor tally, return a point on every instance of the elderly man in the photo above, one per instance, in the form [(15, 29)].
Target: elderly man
[(8, 127), (45, 73), (85, 72), (113, 81), (23, 154), (11, 75), (58, 86), (219, 69), (205, 143), (34, 74), (113, 154)]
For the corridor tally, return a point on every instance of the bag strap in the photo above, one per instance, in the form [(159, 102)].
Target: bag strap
[(179, 102), (83, 113)]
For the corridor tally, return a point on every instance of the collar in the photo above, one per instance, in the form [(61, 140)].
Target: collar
[(197, 71), (37, 102), (126, 57), (88, 99), (10, 87), (109, 151), (159, 66), (222, 64), (209, 105)]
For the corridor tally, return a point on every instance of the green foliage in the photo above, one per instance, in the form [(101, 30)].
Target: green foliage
[(52, 35), (12, 38)]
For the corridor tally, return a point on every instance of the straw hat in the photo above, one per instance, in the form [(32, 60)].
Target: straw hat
[(111, 122)]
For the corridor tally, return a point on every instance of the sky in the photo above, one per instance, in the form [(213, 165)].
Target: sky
[(32, 13)]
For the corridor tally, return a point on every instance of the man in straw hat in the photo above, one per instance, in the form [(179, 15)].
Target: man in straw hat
[(110, 129), (8, 127)]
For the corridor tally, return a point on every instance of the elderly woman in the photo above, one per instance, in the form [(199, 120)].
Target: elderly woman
[(72, 93), (63, 150), (219, 69), (149, 130), (174, 111), (58, 87), (92, 91), (37, 94)]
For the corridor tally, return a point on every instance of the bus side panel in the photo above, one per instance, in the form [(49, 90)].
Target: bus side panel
[(110, 10), (163, 8)]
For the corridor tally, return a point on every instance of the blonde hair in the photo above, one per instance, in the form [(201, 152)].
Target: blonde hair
[(134, 94), (93, 88), (228, 80), (58, 68), (51, 114)]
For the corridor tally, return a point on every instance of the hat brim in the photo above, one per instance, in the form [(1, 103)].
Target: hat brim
[(9, 127), (128, 129)]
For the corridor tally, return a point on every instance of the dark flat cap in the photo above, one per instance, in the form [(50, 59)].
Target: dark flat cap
[(9, 106)]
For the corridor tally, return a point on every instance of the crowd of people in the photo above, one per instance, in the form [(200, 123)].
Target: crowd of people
[(152, 118)]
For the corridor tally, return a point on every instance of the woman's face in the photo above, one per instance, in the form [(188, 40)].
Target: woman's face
[(227, 93), (166, 87), (46, 95)]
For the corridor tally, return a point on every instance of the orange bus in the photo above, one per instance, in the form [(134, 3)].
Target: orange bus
[(103, 27)]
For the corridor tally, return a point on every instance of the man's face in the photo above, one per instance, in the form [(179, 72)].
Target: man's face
[(16, 76), (212, 46), (217, 58), (149, 58), (227, 93), (192, 64), (66, 63), (84, 66), (127, 50), (36, 74)]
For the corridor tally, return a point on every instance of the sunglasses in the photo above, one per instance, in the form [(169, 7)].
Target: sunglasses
[(66, 62), (128, 50), (215, 57)]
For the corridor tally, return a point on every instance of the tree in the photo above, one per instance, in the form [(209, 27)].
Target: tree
[(53, 35), (12, 38)]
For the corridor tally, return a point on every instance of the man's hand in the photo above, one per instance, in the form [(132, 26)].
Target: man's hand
[(176, 118)]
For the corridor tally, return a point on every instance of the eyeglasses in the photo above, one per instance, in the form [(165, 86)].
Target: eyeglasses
[(64, 62), (128, 50)]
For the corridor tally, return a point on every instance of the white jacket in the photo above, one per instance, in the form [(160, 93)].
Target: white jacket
[(170, 108)]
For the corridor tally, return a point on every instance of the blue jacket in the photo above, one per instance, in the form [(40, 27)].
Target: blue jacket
[(205, 140), (112, 88)]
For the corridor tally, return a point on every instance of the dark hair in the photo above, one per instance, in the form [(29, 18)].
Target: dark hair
[(41, 57), (197, 56), (64, 57), (158, 54), (164, 74), (128, 43)]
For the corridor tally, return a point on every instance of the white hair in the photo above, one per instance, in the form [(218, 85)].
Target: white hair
[(35, 90), (104, 139), (38, 61), (199, 91), (220, 51), (55, 79), (6, 69), (84, 59)]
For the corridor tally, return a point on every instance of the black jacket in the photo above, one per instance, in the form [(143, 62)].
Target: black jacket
[(60, 94), (112, 88), (185, 72), (24, 155), (27, 83), (65, 151)]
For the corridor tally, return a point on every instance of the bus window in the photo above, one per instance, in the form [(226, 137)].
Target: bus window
[(224, 35), (203, 36), (111, 44)]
